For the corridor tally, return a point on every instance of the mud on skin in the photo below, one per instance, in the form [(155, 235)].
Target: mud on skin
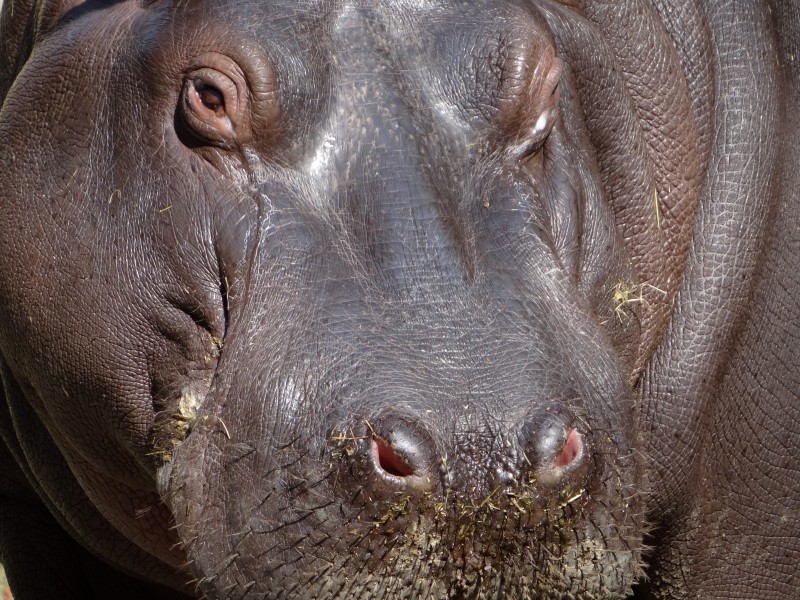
[(399, 299)]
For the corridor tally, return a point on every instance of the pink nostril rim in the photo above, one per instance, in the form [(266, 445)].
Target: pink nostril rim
[(572, 449), (388, 460)]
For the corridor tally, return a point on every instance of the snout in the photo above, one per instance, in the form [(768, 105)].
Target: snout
[(544, 456)]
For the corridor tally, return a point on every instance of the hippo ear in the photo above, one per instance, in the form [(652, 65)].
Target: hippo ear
[(22, 24)]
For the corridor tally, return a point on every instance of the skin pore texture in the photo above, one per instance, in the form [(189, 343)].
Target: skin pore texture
[(399, 299)]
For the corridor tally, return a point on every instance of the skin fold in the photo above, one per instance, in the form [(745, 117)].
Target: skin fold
[(399, 299)]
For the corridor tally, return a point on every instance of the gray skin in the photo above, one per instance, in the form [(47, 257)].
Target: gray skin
[(400, 299)]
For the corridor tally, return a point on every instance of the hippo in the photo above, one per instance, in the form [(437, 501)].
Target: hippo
[(381, 299)]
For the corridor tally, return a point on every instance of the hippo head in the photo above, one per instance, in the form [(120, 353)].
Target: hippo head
[(343, 299)]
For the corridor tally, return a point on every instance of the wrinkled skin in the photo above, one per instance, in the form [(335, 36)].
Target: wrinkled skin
[(386, 299)]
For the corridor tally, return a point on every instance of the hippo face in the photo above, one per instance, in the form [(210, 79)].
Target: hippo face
[(352, 293)]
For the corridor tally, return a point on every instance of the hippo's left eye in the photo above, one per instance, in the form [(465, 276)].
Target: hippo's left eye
[(529, 111), (537, 135)]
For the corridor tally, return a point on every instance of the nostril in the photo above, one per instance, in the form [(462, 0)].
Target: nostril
[(573, 448), (384, 455), (555, 451), (388, 460)]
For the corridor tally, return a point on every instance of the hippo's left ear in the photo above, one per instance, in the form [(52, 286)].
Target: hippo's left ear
[(22, 24)]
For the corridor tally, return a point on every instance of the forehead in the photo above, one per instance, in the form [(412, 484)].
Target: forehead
[(424, 26), (462, 57), (260, 12)]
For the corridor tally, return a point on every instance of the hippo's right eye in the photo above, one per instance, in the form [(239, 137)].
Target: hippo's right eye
[(211, 98), (214, 102)]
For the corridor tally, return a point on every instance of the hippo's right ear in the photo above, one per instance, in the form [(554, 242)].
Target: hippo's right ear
[(22, 24)]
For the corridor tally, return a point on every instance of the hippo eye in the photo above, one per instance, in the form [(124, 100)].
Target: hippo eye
[(211, 98), (529, 111), (537, 135), (214, 101)]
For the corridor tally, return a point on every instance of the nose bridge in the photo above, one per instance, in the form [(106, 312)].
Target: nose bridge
[(387, 144)]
